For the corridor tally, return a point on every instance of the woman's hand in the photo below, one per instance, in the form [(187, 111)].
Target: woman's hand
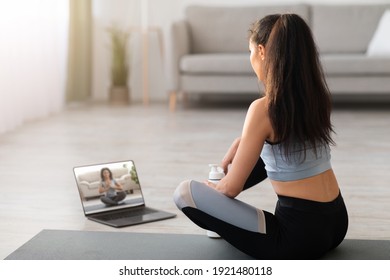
[(214, 186), (226, 161), (230, 154), (211, 185), (102, 188)]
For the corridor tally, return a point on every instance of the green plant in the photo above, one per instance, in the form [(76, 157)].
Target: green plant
[(119, 56), (134, 176)]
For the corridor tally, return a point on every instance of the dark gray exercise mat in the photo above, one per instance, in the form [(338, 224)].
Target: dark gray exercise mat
[(89, 245)]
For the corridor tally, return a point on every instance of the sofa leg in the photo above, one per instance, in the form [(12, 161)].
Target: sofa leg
[(172, 100)]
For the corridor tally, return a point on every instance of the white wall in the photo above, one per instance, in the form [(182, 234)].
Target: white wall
[(160, 14)]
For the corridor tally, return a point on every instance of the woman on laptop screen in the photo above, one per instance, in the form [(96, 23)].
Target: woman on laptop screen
[(113, 191)]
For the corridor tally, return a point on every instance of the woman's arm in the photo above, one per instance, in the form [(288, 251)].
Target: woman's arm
[(257, 128), (230, 154), (102, 188), (118, 186)]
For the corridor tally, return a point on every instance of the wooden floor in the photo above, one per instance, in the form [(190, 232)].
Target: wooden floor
[(38, 190)]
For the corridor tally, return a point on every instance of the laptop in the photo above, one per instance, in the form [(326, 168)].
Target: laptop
[(117, 199)]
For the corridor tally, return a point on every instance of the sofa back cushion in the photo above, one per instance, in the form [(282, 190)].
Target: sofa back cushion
[(94, 176), (216, 29), (119, 172), (345, 28)]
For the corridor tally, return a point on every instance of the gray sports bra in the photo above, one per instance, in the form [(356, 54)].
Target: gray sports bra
[(297, 166)]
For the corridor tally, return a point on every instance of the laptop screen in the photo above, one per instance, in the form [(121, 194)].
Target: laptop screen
[(109, 186)]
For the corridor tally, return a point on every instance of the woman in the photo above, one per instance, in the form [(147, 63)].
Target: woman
[(290, 128), (113, 190)]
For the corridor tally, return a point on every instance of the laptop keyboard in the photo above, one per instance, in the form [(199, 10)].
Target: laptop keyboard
[(126, 214)]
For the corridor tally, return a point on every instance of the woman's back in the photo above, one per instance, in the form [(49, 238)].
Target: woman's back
[(305, 174)]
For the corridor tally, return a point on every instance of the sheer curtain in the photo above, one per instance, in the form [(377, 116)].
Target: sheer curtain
[(33, 59)]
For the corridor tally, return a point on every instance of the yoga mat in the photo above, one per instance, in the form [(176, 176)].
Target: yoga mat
[(89, 245)]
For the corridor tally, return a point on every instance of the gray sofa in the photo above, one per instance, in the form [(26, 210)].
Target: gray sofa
[(208, 51)]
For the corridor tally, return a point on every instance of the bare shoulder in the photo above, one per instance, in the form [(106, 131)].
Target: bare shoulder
[(259, 108), (257, 120)]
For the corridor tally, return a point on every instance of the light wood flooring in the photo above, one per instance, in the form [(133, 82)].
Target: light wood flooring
[(38, 189)]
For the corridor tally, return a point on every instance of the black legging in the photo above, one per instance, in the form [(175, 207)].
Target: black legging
[(299, 229)]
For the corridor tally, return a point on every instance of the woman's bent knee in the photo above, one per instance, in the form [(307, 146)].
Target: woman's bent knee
[(183, 195)]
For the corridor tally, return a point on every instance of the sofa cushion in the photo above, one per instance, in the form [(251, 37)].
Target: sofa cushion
[(119, 172), (94, 176), (208, 25), (355, 64), (345, 28), (89, 176), (216, 64), (334, 64)]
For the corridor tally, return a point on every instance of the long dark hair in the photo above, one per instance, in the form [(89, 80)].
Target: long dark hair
[(299, 99)]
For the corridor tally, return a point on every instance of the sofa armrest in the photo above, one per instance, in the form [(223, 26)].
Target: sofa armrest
[(179, 45), (89, 189)]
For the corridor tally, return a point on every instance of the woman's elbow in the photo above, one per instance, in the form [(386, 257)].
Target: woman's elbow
[(229, 188), (232, 193)]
